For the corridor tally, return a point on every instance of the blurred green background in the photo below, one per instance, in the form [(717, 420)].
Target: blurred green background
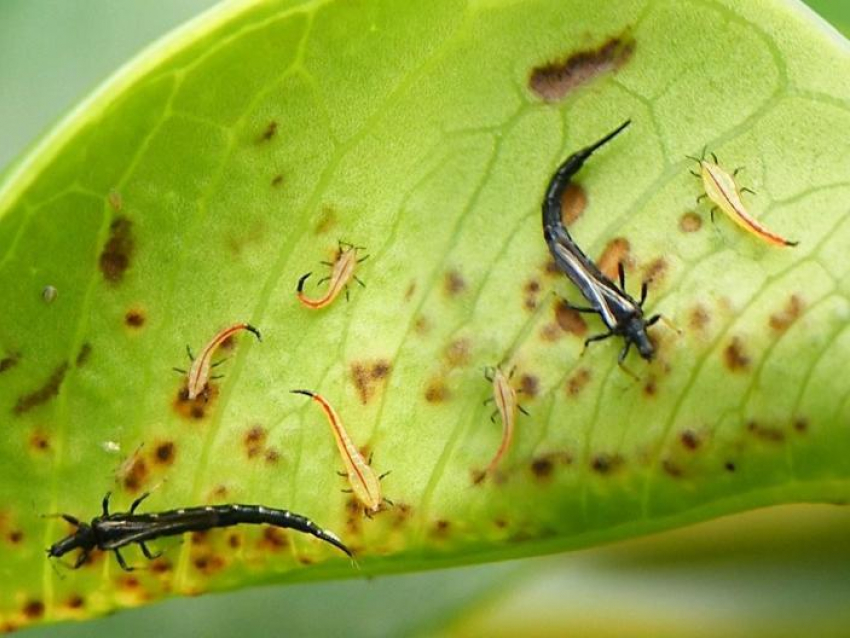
[(780, 572)]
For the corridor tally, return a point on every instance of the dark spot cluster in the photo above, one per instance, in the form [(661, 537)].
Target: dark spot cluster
[(441, 529), (543, 466), (133, 473), (765, 433), (531, 291), (116, 254), (367, 376), (577, 381), (208, 563), (46, 392), (198, 408), (554, 81), (273, 539), (164, 453), (269, 132), (690, 440), (699, 318)]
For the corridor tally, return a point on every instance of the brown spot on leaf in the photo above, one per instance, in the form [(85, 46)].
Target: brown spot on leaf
[(255, 441), (408, 294), (529, 385), (551, 332), (196, 409), (269, 132), (273, 539), (74, 601), (234, 540), (573, 203), (277, 180), (33, 609), (729, 466), (577, 381), (116, 254), (39, 441), (555, 80), (457, 353), (219, 493), (134, 474), (699, 317), (46, 392), (164, 453), (765, 433), (655, 270), (616, 252), (15, 537), (422, 326), (327, 220), (690, 440), (437, 392), (671, 468), (569, 320), (454, 284), (9, 361), (550, 268), (441, 528), (690, 222), (367, 376), (208, 563), (801, 424), (542, 467), (135, 318), (272, 456), (650, 388), (782, 320), (606, 463), (735, 357), (84, 354), (129, 582)]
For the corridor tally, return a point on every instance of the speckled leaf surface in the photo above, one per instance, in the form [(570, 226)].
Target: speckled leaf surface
[(196, 187)]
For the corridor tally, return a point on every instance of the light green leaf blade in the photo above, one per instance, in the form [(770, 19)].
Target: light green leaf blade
[(161, 213)]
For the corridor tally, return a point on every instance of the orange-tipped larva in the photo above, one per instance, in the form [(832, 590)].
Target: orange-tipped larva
[(721, 189), (341, 274), (199, 373), (504, 396), (365, 484)]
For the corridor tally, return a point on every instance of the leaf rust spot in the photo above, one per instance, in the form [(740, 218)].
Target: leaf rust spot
[(46, 392), (690, 440), (269, 132), (327, 220), (531, 290), (782, 320), (569, 320), (133, 473), (655, 270), (550, 268), (650, 388), (735, 357), (74, 601), (671, 468), (422, 326), (134, 318), (160, 566), (437, 392), (367, 376), (408, 294), (277, 180), (765, 433), (164, 453), (577, 381), (84, 354), (529, 385), (9, 361), (690, 222), (33, 609), (573, 203), (15, 537), (555, 80), (116, 254), (39, 441), (616, 252), (454, 284), (606, 464), (196, 409), (273, 539), (441, 528), (729, 466), (801, 424), (542, 467), (458, 353), (254, 441)]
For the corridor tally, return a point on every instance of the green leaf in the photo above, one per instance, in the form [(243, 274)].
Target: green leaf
[(168, 206)]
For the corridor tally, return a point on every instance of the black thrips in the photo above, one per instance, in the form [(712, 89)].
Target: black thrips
[(622, 315), (110, 532)]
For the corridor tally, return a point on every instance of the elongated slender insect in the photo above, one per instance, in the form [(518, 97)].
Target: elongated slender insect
[(199, 373), (365, 484), (724, 193), (342, 272), (505, 398), (622, 315), (111, 532)]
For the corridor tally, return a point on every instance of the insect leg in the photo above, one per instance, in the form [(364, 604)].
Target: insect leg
[(644, 288), (219, 362), (180, 370), (384, 475), (624, 352), (576, 308), (493, 416), (342, 474), (748, 190), (488, 400), (70, 519), (523, 410), (189, 352), (300, 287), (714, 157), (138, 501), (363, 258), (489, 373), (215, 377), (81, 559), (388, 502), (147, 552), (701, 197), (322, 280), (105, 503), (621, 272), (122, 562), (694, 173), (347, 491), (601, 337), (359, 281), (326, 263), (652, 320)]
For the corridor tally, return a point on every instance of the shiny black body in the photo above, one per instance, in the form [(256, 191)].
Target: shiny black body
[(622, 314), (110, 532)]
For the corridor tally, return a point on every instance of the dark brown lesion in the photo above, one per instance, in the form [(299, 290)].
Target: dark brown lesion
[(368, 375), (44, 394), (555, 80), (454, 284), (117, 252), (9, 361), (782, 320), (735, 356)]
